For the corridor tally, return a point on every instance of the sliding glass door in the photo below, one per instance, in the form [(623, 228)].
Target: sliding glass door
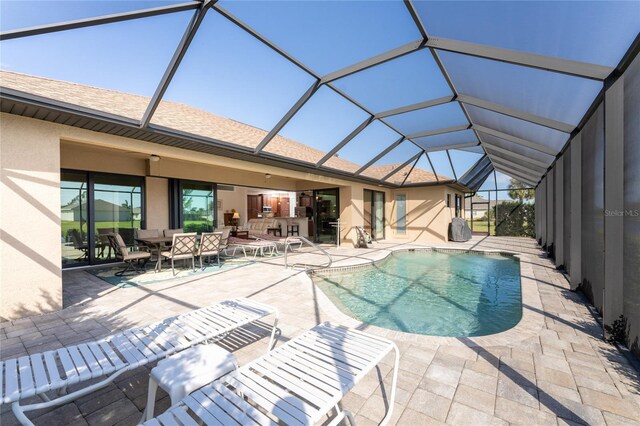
[(117, 207), (326, 214), (93, 205)]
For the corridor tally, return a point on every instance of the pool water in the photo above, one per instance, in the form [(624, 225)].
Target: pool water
[(433, 293)]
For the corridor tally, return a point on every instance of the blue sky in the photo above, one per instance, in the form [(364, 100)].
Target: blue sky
[(229, 73)]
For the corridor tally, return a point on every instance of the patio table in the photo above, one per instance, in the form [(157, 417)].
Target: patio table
[(158, 244)]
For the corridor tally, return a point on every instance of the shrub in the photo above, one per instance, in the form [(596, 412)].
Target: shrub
[(515, 219)]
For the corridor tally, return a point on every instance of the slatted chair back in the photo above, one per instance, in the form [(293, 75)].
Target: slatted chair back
[(183, 245), (210, 243), (224, 240)]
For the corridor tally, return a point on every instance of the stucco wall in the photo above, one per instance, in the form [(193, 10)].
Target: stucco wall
[(156, 203), (428, 217), (30, 275)]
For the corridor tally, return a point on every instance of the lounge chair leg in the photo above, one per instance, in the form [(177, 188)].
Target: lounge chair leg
[(173, 269), (149, 409), (218, 257)]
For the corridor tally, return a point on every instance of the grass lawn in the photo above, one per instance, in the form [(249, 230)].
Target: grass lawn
[(481, 226)]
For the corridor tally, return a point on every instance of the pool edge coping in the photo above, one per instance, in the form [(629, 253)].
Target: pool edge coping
[(528, 327)]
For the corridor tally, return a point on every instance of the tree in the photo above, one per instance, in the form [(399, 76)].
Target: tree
[(520, 192)]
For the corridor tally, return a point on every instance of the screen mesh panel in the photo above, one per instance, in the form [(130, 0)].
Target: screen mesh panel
[(631, 242), (588, 31), (230, 83), (407, 80), (593, 208), (557, 96), (324, 121), (566, 208)]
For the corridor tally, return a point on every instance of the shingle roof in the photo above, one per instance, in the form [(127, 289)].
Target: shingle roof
[(181, 117)]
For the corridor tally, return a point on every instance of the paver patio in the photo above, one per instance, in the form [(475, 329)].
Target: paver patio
[(558, 371)]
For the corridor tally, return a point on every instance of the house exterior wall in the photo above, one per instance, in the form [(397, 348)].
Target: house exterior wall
[(30, 264), (427, 217), (33, 152)]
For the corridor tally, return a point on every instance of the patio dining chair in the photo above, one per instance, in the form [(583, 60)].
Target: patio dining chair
[(104, 241), (79, 244), (146, 233), (210, 246), (129, 257), (183, 247)]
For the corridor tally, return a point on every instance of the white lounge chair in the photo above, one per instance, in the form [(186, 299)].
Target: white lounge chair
[(297, 383), (55, 370)]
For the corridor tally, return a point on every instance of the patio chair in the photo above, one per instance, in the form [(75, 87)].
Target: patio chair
[(79, 244), (104, 241), (183, 247), (146, 233), (283, 242), (172, 232), (364, 239), (129, 257), (112, 356), (210, 246), (224, 240), (298, 383)]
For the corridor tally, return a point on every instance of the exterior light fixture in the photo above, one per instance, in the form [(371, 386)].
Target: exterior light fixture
[(154, 158), (267, 175)]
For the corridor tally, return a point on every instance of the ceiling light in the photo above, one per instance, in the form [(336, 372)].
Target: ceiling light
[(154, 158), (267, 175)]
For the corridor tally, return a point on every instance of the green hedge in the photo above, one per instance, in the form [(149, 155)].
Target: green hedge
[(521, 222)]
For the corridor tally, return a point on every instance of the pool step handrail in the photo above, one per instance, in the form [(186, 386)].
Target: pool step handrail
[(307, 266)]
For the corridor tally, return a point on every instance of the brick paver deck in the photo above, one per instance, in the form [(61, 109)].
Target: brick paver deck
[(556, 370)]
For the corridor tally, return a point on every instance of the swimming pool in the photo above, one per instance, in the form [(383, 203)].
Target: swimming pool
[(432, 293)]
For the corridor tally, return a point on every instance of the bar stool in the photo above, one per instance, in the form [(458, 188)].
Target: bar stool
[(292, 228)]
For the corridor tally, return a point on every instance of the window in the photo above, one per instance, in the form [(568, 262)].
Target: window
[(401, 214), (448, 200), (197, 207), (458, 205), (374, 213)]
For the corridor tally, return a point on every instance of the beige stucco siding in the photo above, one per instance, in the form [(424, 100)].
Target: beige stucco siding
[(156, 203), (30, 274)]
